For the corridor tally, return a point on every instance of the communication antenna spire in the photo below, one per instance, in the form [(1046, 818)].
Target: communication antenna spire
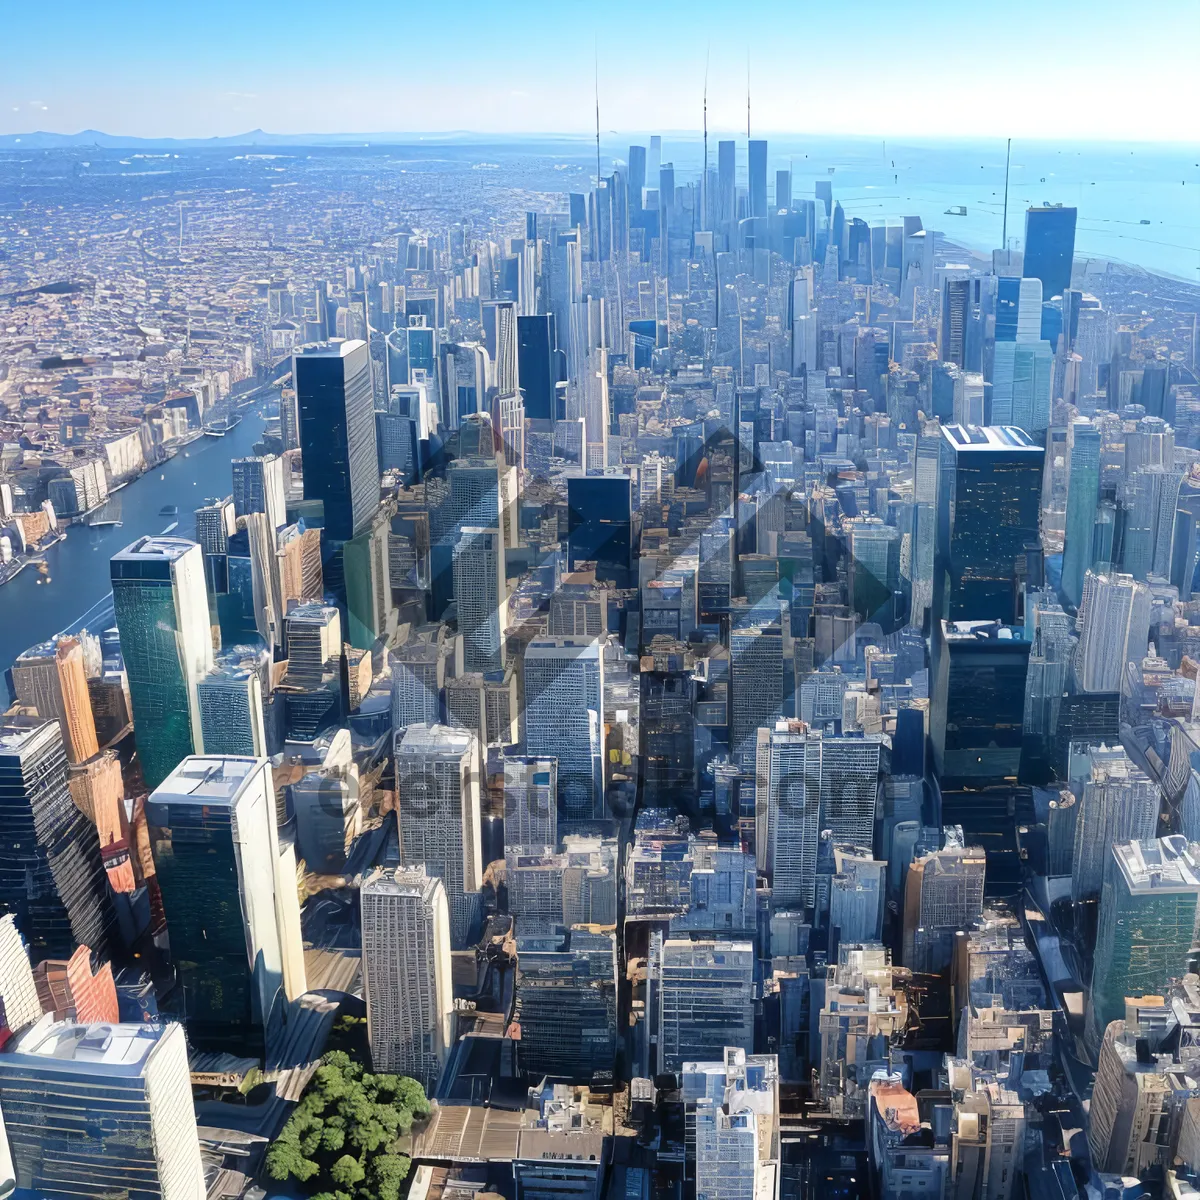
[(704, 177), (597, 120), (747, 95), (1007, 160)]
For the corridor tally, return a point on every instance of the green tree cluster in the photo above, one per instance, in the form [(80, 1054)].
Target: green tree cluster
[(341, 1142)]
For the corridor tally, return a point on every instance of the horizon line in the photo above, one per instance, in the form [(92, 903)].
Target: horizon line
[(587, 136)]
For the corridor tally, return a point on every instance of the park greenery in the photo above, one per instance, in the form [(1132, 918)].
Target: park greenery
[(342, 1142)]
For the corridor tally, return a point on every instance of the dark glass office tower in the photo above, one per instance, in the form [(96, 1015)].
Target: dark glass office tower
[(637, 175), (161, 607), (337, 435), (211, 828), (1050, 247), (758, 179), (535, 365), (989, 490), (51, 872), (599, 525), (978, 702)]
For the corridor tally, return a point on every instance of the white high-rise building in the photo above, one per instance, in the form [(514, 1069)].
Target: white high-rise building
[(731, 1122), (480, 593), (1114, 624), (1117, 803), (407, 973), (564, 718), (62, 1084), (438, 780), (813, 783)]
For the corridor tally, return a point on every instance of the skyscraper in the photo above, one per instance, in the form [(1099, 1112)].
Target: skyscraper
[(407, 972), (535, 365), (500, 341), (1083, 494), (438, 779), (1116, 803), (231, 710), (1114, 620), (564, 718), (258, 488), (52, 876), (813, 783), (161, 607), (758, 178), (756, 682), (942, 894), (726, 182), (530, 801), (480, 593), (337, 434), (566, 1005), (599, 525), (417, 675), (1050, 247), (977, 707), (232, 912), (1147, 920), (989, 496), (102, 1110), (956, 307), (51, 678), (703, 999)]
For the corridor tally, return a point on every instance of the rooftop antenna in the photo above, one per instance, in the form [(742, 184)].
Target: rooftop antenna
[(1007, 160), (597, 119), (747, 95), (704, 177)]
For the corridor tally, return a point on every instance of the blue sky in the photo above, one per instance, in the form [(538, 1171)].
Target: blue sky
[(1058, 69)]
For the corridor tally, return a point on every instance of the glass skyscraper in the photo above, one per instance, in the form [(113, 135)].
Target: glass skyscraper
[(51, 873), (1147, 915), (1050, 247), (337, 434), (977, 710), (234, 935), (989, 493), (161, 607)]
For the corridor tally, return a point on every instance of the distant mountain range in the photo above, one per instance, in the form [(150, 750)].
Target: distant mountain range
[(257, 137)]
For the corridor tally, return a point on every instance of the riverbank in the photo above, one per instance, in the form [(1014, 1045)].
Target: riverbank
[(79, 563), (12, 569)]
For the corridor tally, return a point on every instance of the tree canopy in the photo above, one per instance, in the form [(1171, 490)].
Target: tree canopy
[(342, 1141)]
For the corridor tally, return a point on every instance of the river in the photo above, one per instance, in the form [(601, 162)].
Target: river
[(31, 612)]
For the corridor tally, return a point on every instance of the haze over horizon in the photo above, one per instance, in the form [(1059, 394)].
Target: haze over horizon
[(203, 75)]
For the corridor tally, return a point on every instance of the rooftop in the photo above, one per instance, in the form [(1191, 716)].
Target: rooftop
[(1160, 865), (112, 1049), (335, 348), (990, 437), (156, 547), (208, 779)]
